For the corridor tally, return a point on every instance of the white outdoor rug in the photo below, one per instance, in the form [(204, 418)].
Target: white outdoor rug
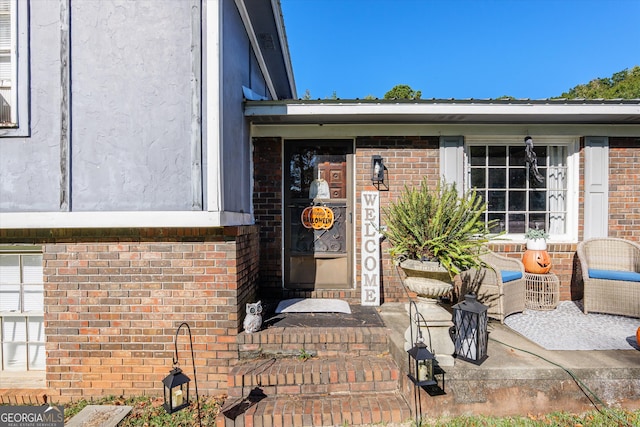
[(313, 305), (568, 328)]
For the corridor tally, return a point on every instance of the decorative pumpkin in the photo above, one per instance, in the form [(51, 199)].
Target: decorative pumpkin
[(536, 261), (638, 336)]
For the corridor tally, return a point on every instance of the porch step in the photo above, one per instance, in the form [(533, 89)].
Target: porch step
[(23, 396), (295, 372), (352, 296), (355, 409), (315, 341), (318, 376)]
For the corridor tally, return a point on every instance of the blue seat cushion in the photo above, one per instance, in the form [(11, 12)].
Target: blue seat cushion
[(509, 275), (627, 276)]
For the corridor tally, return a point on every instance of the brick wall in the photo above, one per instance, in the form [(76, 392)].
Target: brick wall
[(267, 206), (408, 160), (624, 188), (115, 298)]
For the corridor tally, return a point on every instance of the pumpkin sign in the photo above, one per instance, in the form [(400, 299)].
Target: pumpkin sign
[(536, 261), (317, 217)]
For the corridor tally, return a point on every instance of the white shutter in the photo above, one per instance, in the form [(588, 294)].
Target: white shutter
[(596, 187), (452, 160)]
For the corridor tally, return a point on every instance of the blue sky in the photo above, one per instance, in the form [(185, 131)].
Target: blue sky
[(458, 48)]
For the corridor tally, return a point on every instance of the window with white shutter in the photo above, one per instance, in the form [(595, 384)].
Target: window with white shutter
[(520, 197), (7, 62), (14, 70)]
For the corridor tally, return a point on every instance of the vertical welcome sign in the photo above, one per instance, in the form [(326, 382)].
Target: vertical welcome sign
[(370, 248)]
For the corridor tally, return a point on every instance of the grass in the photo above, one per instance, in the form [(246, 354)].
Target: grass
[(149, 412), (609, 418)]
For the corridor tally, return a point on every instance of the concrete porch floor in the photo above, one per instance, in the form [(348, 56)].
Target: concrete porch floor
[(521, 377)]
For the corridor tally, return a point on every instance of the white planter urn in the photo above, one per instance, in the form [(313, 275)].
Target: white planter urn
[(428, 279), (537, 244)]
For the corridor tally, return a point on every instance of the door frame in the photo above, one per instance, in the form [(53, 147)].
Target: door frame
[(349, 145)]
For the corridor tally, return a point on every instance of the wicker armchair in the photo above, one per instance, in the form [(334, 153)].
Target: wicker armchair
[(503, 295), (610, 273)]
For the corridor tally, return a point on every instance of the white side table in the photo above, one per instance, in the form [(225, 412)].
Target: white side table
[(542, 291)]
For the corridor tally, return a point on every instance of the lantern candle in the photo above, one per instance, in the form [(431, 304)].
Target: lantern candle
[(177, 397), (425, 370)]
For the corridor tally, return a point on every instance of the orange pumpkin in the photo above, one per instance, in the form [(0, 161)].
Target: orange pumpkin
[(638, 336), (536, 261)]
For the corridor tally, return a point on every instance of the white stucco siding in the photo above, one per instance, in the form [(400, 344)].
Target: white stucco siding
[(30, 166), (236, 146), (131, 105)]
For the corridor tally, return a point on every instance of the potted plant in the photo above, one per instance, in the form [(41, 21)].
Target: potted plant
[(435, 234), (536, 259), (536, 239)]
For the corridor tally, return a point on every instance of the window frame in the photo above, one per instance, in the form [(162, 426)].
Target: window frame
[(32, 347), (571, 144), (20, 84)]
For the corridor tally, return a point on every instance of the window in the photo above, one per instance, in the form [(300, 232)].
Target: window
[(22, 311), (7, 62), (518, 197), (14, 78)]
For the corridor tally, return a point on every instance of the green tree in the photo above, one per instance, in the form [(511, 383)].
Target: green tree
[(624, 84), (402, 92), (307, 95)]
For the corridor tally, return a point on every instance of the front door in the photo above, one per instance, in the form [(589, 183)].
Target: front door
[(317, 214)]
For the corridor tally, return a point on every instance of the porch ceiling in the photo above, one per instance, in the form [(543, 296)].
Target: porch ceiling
[(609, 112)]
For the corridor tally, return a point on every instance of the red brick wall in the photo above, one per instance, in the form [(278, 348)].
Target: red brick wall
[(408, 160), (267, 206), (624, 188), (115, 298)]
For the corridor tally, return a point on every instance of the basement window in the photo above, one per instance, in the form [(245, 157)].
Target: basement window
[(22, 311)]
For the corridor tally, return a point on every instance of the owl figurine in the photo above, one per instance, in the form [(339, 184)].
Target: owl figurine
[(253, 319)]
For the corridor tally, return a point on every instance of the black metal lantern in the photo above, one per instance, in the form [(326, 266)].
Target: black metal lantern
[(176, 391), (422, 362), (470, 334), (377, 169), (176, 384), (421, 365)]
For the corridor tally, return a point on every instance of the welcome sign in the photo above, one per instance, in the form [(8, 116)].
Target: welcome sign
[(370, 248)]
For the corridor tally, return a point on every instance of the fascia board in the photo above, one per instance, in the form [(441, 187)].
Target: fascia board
[(121, 219), (440, 109)]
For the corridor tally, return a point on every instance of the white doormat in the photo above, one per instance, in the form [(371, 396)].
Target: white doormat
[(313, 305)]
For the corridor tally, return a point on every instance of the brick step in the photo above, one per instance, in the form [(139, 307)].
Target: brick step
[(316, 341), (352, 296), (314, 376), (23, 396), (353, 409)]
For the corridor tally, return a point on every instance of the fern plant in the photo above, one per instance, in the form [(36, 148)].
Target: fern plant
[(437, 225)]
